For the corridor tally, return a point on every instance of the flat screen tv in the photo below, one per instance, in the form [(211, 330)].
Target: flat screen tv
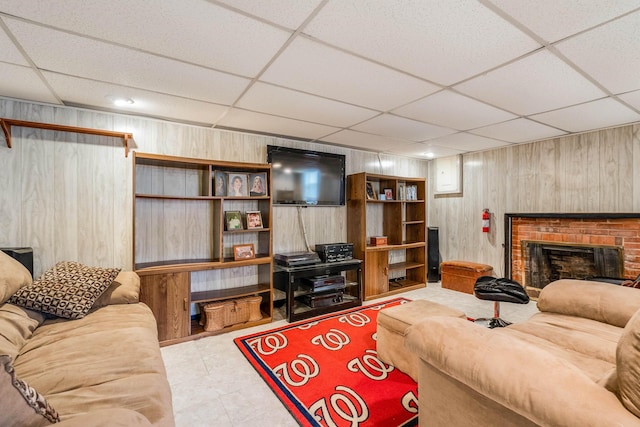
[(305, 177)]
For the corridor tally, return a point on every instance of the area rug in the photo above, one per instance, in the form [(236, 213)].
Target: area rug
[(325, 371)]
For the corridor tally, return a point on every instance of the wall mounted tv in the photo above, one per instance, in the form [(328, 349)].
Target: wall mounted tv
[(305, 177)]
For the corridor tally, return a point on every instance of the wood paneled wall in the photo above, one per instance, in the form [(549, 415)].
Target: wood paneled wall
[(69, 196), (592, 172)]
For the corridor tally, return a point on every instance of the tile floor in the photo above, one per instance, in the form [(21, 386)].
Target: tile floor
[(214, 385)]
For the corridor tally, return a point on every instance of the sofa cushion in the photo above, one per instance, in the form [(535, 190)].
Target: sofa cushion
[(125, 289), (628, 365), (13, 276), (603, 302), (16, 326), (68, 290), (22, 405)]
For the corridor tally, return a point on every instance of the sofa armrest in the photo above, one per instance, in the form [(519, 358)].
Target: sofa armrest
[(515, 374), (116, 417), (599, 301)]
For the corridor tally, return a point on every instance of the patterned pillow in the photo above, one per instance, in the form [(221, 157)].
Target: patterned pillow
[(21, 404), (67, 290)]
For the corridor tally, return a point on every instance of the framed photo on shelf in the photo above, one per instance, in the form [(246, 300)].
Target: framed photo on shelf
[(371, 194), (219, 183), (233, 220), (258, 184), (244, 251), (254, 220), (388, 194), (237, 184)]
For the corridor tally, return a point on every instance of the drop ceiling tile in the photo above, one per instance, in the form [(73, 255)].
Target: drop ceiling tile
[(592, 115), (283, 102), (553, 20), (258, 122), (410, 149), (455, 111), (114, 64), (23, 83), (519, 130), (190, 30), (468, 142), (94, 94), (610, 54), (432, 150), (363, 140), (400, 127), (441, 41), (632, 98), (288, 13), (9, 53), (534, 84), (316, 68)]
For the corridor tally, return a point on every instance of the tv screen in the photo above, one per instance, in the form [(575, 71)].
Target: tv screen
[(306, 178)]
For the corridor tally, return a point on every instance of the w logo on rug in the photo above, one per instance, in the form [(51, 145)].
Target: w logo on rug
[(326, 372)]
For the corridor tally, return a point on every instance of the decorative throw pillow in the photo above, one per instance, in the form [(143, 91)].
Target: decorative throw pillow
[(67, 290), (21, 404), (13, 276), (125, 289)]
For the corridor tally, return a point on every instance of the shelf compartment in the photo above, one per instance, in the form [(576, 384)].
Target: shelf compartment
[(387, 248), (406, 265), (232, 293)]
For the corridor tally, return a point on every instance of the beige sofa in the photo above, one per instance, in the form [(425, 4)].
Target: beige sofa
[(575, 363), (104, 368)]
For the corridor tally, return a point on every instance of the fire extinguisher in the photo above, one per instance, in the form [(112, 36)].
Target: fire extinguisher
[(486, 220)]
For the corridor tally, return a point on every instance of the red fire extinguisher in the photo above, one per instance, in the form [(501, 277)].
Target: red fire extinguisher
[(486, 220)]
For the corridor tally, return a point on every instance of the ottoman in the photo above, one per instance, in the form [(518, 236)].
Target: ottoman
[(462, 275), (393, 325)]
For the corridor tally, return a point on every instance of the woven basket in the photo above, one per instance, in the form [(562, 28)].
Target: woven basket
[(226, 313)]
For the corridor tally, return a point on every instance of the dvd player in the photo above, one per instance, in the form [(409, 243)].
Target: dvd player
[(297, 259)]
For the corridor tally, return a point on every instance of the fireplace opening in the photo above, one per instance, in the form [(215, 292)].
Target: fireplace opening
[(546, 261)]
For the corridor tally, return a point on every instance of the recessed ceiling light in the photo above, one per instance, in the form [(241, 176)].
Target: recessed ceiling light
[(430, 155)]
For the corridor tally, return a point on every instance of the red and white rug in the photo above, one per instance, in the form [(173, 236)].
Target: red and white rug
[(325, 371)]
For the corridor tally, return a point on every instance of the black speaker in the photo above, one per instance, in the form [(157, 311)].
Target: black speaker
[(433, 255), (23, 255)]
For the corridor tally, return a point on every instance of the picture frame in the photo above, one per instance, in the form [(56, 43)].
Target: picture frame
[(448, 179), (233, 220), (219, 183), (244, 251), (388, 193), (258, 184), (371, 194), (254, 220), (237, 184)]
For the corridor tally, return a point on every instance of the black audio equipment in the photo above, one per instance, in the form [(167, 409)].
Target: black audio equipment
[(333, 252), (433, 255), (23, 255), (296, 259), (323, 300), (324, 283)]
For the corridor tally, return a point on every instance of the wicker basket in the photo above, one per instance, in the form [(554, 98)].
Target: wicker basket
[(226, 313)]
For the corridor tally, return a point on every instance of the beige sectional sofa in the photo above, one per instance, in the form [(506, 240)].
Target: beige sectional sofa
[(103, 368), (575, 363)]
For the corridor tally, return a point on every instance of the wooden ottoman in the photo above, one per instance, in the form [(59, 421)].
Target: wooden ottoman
[(462, 275), (393, 325)]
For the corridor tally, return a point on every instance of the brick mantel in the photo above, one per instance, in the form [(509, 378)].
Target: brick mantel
[(615, 229)]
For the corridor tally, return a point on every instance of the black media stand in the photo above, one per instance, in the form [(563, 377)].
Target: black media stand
[(303, 302)]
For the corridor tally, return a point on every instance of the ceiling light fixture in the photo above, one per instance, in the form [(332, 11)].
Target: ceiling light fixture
[(429, 155), (120, 102)]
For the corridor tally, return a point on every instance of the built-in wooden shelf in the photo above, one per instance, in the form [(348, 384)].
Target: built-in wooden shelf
[(6, 125)]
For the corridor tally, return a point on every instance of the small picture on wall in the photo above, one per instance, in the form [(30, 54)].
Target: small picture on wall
[(388, 194), (233, 220), (237, 184), (371, 194), (220, 183), (258, 183), (245, 251), (254, 220)]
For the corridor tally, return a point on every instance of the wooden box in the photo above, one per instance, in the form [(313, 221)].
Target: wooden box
[(378, 240), (462, 275), (219, 315)]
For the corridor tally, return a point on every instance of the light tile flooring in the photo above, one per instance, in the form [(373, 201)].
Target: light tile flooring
[(214, 385)]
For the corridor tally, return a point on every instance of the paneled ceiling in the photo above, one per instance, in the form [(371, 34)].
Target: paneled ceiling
[(408, 77)]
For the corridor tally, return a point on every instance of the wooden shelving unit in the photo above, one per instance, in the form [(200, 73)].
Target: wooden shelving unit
[(183, 253), (400, 265)]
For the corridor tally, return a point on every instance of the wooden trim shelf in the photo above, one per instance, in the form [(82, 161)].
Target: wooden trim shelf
[(405, 265), (6, 125), (395, 247), (175, 266)]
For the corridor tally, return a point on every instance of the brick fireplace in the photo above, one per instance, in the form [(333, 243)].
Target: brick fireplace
[(573, 245)]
